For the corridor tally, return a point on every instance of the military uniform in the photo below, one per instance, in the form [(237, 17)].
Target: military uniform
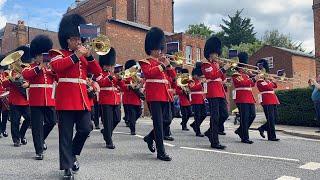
[(4, 106)]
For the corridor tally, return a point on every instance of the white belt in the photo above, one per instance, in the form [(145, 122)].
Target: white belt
[(41, 86), (108, 89), (171, 90), (73, 80), (215, 80), (163, 81), (264, 92), (197, 92), (234, 92)]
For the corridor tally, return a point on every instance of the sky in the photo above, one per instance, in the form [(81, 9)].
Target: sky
[(293, 17)]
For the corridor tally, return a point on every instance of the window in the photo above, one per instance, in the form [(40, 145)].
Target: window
[(198, 55), (270, 61), (188, 54)]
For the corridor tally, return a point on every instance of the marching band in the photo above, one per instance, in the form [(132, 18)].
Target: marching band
[(70, 87)]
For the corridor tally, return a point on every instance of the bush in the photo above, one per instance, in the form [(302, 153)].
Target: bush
[(296, 108)]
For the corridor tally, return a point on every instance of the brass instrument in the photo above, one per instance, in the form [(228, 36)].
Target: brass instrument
[(183, 80), (131, 72), (100, 45)]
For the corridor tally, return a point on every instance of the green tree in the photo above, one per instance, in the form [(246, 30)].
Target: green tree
[(237, 30), (275, 38), (250, 48), (199, 30)]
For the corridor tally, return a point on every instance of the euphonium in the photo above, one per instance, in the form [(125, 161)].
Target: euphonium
[(14, 62), (101, 45)]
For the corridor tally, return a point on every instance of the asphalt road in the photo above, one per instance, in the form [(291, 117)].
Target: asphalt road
[(291, 158)]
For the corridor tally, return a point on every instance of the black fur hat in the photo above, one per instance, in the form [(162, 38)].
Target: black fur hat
[(26, 58), (155, 40), (197, 71), (213, 45), (243, 57), (40, 44), (69, 27), (108, 59), (198, 65), (263, 64), (130, 63), (184, 71)]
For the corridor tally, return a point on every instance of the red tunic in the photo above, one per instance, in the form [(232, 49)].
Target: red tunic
[(267, 95), (109, 89), (243, 88), (157, 86), (215, 77), (71, 92), (183, 97), (41, 85), (197, 93), (129, 96)]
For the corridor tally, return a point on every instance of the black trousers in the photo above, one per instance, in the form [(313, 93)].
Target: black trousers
[(186, 113), (167, 119), (111, 116), (68, 147), (43, 120), (200, 115), (15, 116), (132, 113), (96, 114), (247, 116), (271, 113), (4, 116), (158, 110)]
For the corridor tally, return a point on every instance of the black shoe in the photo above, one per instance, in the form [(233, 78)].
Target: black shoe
[(164, 157), (247, 141), (133, 133), (276, 139), (184, 128), (199, 135), (102, 131), (45, 147), (24, 141), (238, 133), (97, 127), (5, 134), (193, 127), (76, 166), (110, 146), (68, 174), (222, 133), (39, 157), (261, 131), (168, 138), (218, 146), (17, 144), (150, 144)]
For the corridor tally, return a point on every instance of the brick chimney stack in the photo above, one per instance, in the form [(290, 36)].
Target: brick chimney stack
[(21, 33)]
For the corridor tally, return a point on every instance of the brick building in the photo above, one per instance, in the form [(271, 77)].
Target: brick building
[(14, 35)]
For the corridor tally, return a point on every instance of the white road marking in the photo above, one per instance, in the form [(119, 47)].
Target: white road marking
[(139, 136), (288, 178), (311, 166), (240, 154), (168, 144)]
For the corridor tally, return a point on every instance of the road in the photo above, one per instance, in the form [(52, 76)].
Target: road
[(291, 158)]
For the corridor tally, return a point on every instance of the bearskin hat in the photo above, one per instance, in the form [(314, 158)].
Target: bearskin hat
[(130, 63), (197, 71), (243, 57), (26, 58), (40, 44), (184, 71), (69, 27), (263, 64), (213, 45), (108, 59), (198, 65), (155, 40)]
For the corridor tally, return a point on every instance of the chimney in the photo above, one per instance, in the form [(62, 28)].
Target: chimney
[(21, 33)]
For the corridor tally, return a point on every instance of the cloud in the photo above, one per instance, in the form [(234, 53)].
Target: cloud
[(294, 17), (3, 19)]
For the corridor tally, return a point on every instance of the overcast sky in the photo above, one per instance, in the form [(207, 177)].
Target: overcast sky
[(294, 17)]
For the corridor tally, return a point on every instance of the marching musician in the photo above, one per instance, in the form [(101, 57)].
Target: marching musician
[(216, 96), (185, 105), (132, 96), (42, 103), (72, 63), (269, 101), (197, 100), (243, 82), (109, 96), (4, 106), (156, 88), (19, 105)]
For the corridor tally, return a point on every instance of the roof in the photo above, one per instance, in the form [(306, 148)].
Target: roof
[(137, 25), (295, 52)]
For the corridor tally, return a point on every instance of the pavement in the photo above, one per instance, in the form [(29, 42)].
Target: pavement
[(292, 158)]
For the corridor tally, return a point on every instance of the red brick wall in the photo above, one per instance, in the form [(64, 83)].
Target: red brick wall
[(316, 14), (304, 68), (161, 14), (143, 12), (120, 7), (130, 10)]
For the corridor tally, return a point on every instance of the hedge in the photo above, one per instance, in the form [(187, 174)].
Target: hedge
[(296, 108)]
